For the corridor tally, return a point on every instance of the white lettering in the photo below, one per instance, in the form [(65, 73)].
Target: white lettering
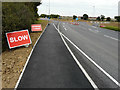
[(20, 38), (11, 40), (36, 26), (25, 37), (15, 39)]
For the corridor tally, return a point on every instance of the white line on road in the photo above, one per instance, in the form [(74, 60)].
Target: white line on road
[(107, 74), (111, 37), (94, 27), (90, 59), (76, 60), (16, 86), (65, 29), (95, 31), (81, 67)]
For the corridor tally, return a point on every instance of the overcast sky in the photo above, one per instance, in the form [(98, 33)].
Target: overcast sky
[(109, 8)]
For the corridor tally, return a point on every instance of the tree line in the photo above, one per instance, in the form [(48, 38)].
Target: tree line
[(84, 17), (49, 16), (17, 16), (99, 18)]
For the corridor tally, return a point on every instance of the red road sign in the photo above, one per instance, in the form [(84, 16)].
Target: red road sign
[(18, 38), (36, 27)]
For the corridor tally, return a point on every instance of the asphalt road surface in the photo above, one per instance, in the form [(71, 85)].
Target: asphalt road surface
[(52, 66), (101, 45)]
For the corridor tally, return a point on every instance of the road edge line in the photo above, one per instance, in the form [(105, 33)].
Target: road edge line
[(92, 61), (29, 59), (76, 60), (101, 69)]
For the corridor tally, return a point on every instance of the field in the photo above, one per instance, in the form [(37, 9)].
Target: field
[(109, 25), (14, 60), (112, 26)]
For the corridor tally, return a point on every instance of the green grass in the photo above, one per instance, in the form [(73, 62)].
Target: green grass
[(112, 28), (40, 21)]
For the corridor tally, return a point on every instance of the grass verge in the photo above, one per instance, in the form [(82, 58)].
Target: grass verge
[(112, 28), (14, 60), (110, 25)]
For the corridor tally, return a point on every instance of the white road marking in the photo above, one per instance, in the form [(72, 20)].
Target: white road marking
[(95, 31), (111, 37), (65, 29), (107, 74), (90, 59), (78, 63), (28, 60), (94, 27)]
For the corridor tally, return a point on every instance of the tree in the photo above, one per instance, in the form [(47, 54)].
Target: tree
[(108, 19), (85, 17), (74, 16), (117, 18), (54, 16), (17, 16), (98, 18), (102, 17), (81, 17), (43, 15)]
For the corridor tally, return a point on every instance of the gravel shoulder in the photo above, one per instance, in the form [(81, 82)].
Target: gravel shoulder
[(14, 60)]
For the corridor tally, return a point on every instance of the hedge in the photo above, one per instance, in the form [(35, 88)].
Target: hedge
[(17, 16)]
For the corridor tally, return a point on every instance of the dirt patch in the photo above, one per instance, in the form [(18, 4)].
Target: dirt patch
[(114, 24), (14, 60), (69, 20)]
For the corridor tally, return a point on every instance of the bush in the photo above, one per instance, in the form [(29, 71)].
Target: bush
[(85, 17), (108, 19), (17, 16), (74, 16), (117, 18)]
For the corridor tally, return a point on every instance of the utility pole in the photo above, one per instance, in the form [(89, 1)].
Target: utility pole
[(93, 13), (49, 13), (49, 7)]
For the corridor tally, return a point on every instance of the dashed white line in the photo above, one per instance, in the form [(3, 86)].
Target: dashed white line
[(90, 59), (111, 37), (95, 31), (65, 29), (94, 27), (100, 68), (76, 60)]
